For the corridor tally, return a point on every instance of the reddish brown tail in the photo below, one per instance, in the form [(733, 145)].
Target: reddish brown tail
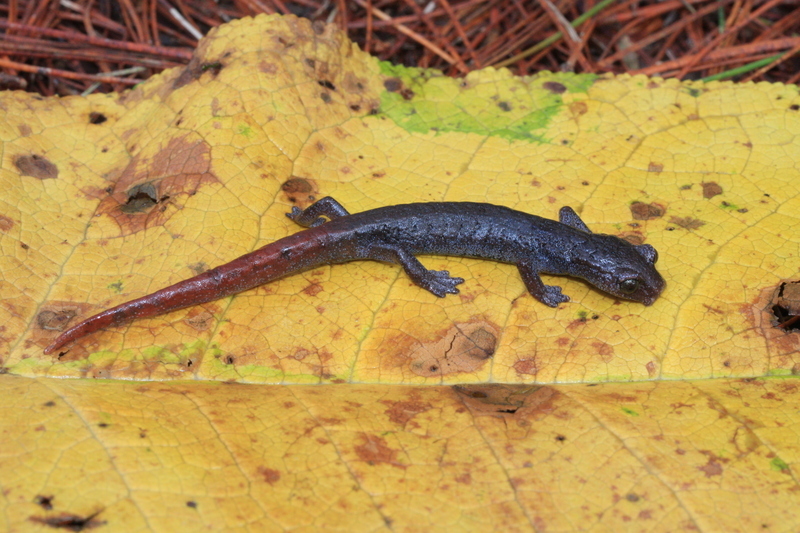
[(290, 254)]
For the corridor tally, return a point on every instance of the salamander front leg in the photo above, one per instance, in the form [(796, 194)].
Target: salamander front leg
[(547, 294), (439, 282), (311, 216)]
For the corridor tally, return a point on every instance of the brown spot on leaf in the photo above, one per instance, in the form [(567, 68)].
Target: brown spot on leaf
[(300, 354), (198, 268), (6, 223), (688, 223), (269, 475), (24, 130), (520, 402), (150, 189), (199, 318), (374, 450), (393, 85), (268, 68), (324, 355), (353, 84), (711, 189), (70, 522), (300, 191), (633, 237), (655, 167), (36, 166), (465, 478), (56, 320), (527, 366), (313, 289), (605, 350), (401, 413), (189, 73), (578, 108), (555, 87), (617, 397), (464, 347), (195, 69), (643, 211), (46, 502), (714, 465)]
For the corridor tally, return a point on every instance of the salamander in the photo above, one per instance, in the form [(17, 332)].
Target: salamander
[(399, 233)]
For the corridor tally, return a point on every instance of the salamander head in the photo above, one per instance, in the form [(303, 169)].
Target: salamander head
[(620, 268), (612, 264)]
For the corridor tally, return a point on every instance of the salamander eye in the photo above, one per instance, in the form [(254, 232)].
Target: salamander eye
[(629, 286)]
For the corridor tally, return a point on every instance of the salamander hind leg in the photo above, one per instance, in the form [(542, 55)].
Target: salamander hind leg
[(547, 294), (439, 282), (312, 215)]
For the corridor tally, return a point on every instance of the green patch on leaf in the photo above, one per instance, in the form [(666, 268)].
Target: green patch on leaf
[(161, 354), (260, 373), (115, 287), (630, 412), (493, 103), (778, 465), (407, 74), (779, 372)]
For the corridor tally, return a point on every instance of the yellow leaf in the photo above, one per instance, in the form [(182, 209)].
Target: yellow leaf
[(111, 197), (714, 455)]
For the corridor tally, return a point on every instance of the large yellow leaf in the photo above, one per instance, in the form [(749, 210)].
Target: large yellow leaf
[(110, 197), (713, 455)]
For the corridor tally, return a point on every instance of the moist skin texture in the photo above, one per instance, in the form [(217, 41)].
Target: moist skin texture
[(399, 233)]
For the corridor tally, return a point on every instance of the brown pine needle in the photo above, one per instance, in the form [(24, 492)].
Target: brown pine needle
[(67, 47)]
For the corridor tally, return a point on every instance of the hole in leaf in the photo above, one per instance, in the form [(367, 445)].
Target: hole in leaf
[(786, 307), (96, 118), (142, 198), (46, 502)]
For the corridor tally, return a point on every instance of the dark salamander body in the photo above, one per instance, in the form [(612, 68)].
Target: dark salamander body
[(397, 234)]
